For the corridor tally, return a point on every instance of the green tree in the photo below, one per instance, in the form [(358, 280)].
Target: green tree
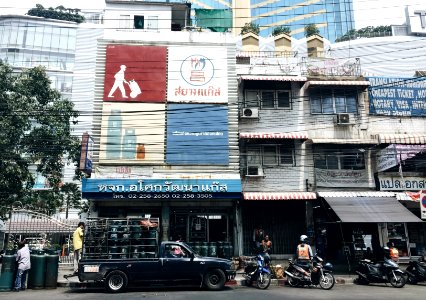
[(311, 29), (35, 135), (250, 27), (58, 13), (281, 29), (366, 32)]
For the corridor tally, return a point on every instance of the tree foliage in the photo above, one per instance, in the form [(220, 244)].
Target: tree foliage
[(58, 13), (366, 32), (35, 139), (281, 29), (311, 29), (250, 27)]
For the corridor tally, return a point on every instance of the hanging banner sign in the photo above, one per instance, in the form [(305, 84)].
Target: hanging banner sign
[(343, 178), (395, 153), (397, 96)]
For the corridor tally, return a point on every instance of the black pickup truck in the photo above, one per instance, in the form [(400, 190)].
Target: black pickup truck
[(174, 262)]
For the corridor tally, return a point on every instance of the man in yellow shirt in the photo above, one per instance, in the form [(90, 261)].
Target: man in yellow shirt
[(77, 239)]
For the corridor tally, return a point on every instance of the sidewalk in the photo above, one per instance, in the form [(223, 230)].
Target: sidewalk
[(239, 280)]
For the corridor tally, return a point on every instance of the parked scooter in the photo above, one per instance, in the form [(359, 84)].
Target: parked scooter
[(383, 272), (259, 272), (416, 271), (321, 274)]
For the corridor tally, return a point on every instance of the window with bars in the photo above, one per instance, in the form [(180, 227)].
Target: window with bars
[(340, 160), (333, 101), (271, 155), (273, 99)]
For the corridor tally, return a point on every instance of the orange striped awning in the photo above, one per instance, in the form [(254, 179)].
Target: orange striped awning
[(274, 78), (273, 135), (402, 138), (280, 196)]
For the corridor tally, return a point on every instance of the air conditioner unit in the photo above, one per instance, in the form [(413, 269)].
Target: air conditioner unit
[(248, 113), (254, 171), (342, 119)]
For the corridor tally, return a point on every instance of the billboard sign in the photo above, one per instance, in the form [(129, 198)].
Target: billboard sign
[(416, 17), (132, 132), (135, 73), (197, 74), (397, 96), (197, 134)]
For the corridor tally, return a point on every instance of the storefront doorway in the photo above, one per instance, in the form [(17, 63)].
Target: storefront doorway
[(200, 226)]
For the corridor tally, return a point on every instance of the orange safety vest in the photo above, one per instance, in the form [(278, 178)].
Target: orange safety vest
[(394, 254), (266, 245), (302, 251)]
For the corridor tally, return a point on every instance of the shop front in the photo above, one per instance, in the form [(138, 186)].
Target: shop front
[(359, 225), (201, 212)]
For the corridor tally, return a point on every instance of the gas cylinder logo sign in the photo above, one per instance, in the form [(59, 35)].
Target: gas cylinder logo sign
[(197, 70), (423, 204)]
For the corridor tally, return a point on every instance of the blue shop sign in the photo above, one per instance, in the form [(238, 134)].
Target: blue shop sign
[(390, 96), (146, 189)]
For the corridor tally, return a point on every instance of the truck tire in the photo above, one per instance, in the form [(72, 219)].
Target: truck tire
[(116, 281), (214, 279)]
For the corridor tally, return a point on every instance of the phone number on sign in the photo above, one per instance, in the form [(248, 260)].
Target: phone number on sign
[(163, 196)]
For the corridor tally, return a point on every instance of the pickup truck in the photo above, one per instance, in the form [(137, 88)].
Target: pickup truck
[(174, 262)]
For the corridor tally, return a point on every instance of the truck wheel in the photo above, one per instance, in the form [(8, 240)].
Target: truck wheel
[(214, 280), (116, 281)]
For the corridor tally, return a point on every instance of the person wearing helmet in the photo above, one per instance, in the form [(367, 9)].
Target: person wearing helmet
[(304, 254)]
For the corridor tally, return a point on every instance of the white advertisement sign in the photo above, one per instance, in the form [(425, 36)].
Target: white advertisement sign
[(394, 182), (343, 178), (416, 16), (386, 158), (423, 204), (197, 75)]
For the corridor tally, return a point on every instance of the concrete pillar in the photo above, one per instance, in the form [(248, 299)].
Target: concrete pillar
[(165, 221)]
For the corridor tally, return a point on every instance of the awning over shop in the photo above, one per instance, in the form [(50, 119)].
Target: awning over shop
[(273, 135), (280, 196), (363, 83), (370, 209), (274, 78), (343, 141), (402, 138)]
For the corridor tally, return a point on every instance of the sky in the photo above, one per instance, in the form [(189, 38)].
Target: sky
[(367, 12)]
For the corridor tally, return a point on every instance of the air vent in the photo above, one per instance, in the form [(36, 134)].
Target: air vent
[(343, 119), (248, 113), (254, 171)]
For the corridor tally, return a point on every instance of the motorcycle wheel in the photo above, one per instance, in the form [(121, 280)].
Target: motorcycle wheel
[(263, 281), (397, 281), (327, 281), (293, 281)]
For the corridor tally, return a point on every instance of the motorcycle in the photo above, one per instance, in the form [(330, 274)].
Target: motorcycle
[(321, 274), (257, 271), (384, 272), (416, 271)]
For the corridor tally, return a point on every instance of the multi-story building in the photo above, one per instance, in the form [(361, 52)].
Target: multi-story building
[(165, 124), (333, 18), (316, 130)]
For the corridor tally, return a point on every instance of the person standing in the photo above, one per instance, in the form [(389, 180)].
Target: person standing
[(258, 235), (24, 264), (77, 239), (267, 248), (119, 83)]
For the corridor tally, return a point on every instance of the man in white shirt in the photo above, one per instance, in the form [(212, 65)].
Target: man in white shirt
[(24, 264)]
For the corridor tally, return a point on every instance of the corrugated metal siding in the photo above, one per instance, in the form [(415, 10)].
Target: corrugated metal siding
[(283, 221)]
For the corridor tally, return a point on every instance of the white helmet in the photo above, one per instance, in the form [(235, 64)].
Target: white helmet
[(303, 238)]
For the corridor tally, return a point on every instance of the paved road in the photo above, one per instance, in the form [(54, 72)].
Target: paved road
[(339, 292)]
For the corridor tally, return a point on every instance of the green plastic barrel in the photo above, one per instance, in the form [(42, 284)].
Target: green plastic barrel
[(204, 250), (212, 250), (37, 273), (7, 276), (52, 266)]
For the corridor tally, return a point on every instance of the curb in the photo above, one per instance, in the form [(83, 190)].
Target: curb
[(234, 282)]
